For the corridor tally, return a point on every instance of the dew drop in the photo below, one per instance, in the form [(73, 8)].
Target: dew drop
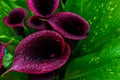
[(104, 11), (106, 26), (97, 26), (58, 40), (91, 22), (52, 55), (101, 70), (118, 29), (78, 4), (96, 10), (92, 39), (110, 3), (118, 51), (110, 17), (118, 74), (28, 64), (116, 5), (94, 18), (96, 33), (111, 72), (83, 79), (102, 5), (111, 9)]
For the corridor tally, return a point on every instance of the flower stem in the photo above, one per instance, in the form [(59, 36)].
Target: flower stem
[(19, 31), (6, 72)]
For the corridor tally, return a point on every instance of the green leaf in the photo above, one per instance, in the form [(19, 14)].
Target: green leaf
[(5, 39), (5, 7), (15, 40), (23, 4), (14, 76), (7, 60), (103, 17), (102, 44), (102, 65), (10, 3), (61, 7)]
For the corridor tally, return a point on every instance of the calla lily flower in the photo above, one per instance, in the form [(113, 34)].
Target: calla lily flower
[(39, 24), (15, 20), (70, 25), (47, 50), (41, 52), (43, 8), (95, 58)]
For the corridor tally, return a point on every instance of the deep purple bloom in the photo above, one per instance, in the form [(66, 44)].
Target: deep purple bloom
[(70, 25), (40, 53), (37, 23), (45, 51), (16, 17), (15, 20), (43, 8)]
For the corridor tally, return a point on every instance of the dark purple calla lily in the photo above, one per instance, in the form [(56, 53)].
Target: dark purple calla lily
[(16, 17), (70, 25), (15, 20), (40, 53), (37, 23), (43, 8)]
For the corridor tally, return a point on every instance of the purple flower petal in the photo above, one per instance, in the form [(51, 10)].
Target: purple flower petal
[(41, 52), (37, 23), (16, 17), (2, 49), (70, 25), (43, 8)]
